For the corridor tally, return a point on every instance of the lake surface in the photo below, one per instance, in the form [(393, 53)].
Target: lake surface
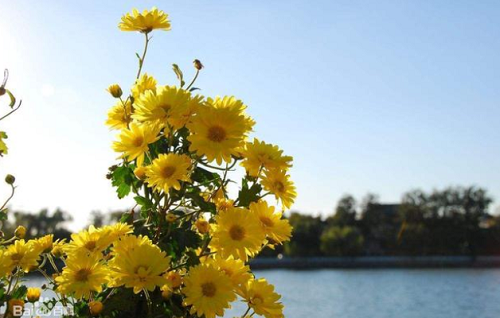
[(385, 293)]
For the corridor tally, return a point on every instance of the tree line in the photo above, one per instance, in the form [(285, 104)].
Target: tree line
[(452, 221)]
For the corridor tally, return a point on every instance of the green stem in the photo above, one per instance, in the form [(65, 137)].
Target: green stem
[(141, 60), (194, 80)]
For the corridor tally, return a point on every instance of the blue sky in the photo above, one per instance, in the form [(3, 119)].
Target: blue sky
[(381, 96)]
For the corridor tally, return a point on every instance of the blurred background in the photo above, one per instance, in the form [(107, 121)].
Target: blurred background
[(390, 110)]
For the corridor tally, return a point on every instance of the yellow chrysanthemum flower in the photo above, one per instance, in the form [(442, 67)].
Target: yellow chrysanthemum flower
[(44, 244), (91, 241), (33, 294), (119, 115), (208, 291), (6, 264), (58, 248), (276, 228), (133, 142), (262, 298), (194, 103), (144, 84), (167, 170), (23, 254), (218, 132), (259, 155), (146, 21), (278, 183), (165, 105), (118, 230), (139, 268), (82, 275), (230, 102), (235, 269), (237, 233), (128, 243)]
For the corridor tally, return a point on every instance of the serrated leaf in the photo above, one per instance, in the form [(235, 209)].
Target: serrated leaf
[(247, 194), (20, 292)]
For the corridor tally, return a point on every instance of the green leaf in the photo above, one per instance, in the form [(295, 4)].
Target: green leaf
[(247, 194), (12, 98), (204, 176), (192, 89), (123, 178), (20, 292), (178, 73)]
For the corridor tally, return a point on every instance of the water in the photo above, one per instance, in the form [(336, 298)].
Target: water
[(390, 293)]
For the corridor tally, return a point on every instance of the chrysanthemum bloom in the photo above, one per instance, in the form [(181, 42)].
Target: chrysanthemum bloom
[(167, 171), (117, 230), (91, 241), (235, 269), (128, 243), (276, 228), (194, 103), (146, 21), (33, 294), (23, 254), (278, 183), (218, 132), (20, 232), (44, 244), (237, 233), (262, 298), (259, 155), (202, 225), (6, 265), (58, 248), (119, 115), (82, 275), (231, 102), (140, 268), (133, 142), (163, 107), (208, 291), (144, 84)]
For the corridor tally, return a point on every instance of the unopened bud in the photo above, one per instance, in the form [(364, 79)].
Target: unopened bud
[(202, 225), (171, 217), (140, 173), (2, 91), (197, 65), (10, 179), (33, 294), (115, 90), (95, 307), (20, 232)]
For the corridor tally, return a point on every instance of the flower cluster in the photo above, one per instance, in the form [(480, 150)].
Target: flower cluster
[(185, 248)]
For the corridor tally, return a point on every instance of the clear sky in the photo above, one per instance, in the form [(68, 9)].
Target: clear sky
[(381, 96)]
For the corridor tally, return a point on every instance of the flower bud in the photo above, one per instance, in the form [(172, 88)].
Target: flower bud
[(10, 179), (95, 307), (202, 225), (2, 91), (115, 90), (20, 232), (33, 294), (140, 173), (197, 65), (166, 292), (174, 279), (170, 217)]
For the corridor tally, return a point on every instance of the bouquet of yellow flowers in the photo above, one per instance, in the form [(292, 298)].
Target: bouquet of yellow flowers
[(184, 249)]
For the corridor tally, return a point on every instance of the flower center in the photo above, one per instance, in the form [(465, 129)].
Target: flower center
[(237, 232), (208, 289), (90, 245), (16, 257), (257, 299), (216, 134), (167, 172), (166, 108), (266, 221), (278, 185), (137, 142), (82, 275)]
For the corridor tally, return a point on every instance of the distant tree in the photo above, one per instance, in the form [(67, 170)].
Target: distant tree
[(43, 223), (345, 213), (342, 241), (306, 232)]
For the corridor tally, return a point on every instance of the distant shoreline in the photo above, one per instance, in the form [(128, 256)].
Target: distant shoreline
[(370, 262)]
